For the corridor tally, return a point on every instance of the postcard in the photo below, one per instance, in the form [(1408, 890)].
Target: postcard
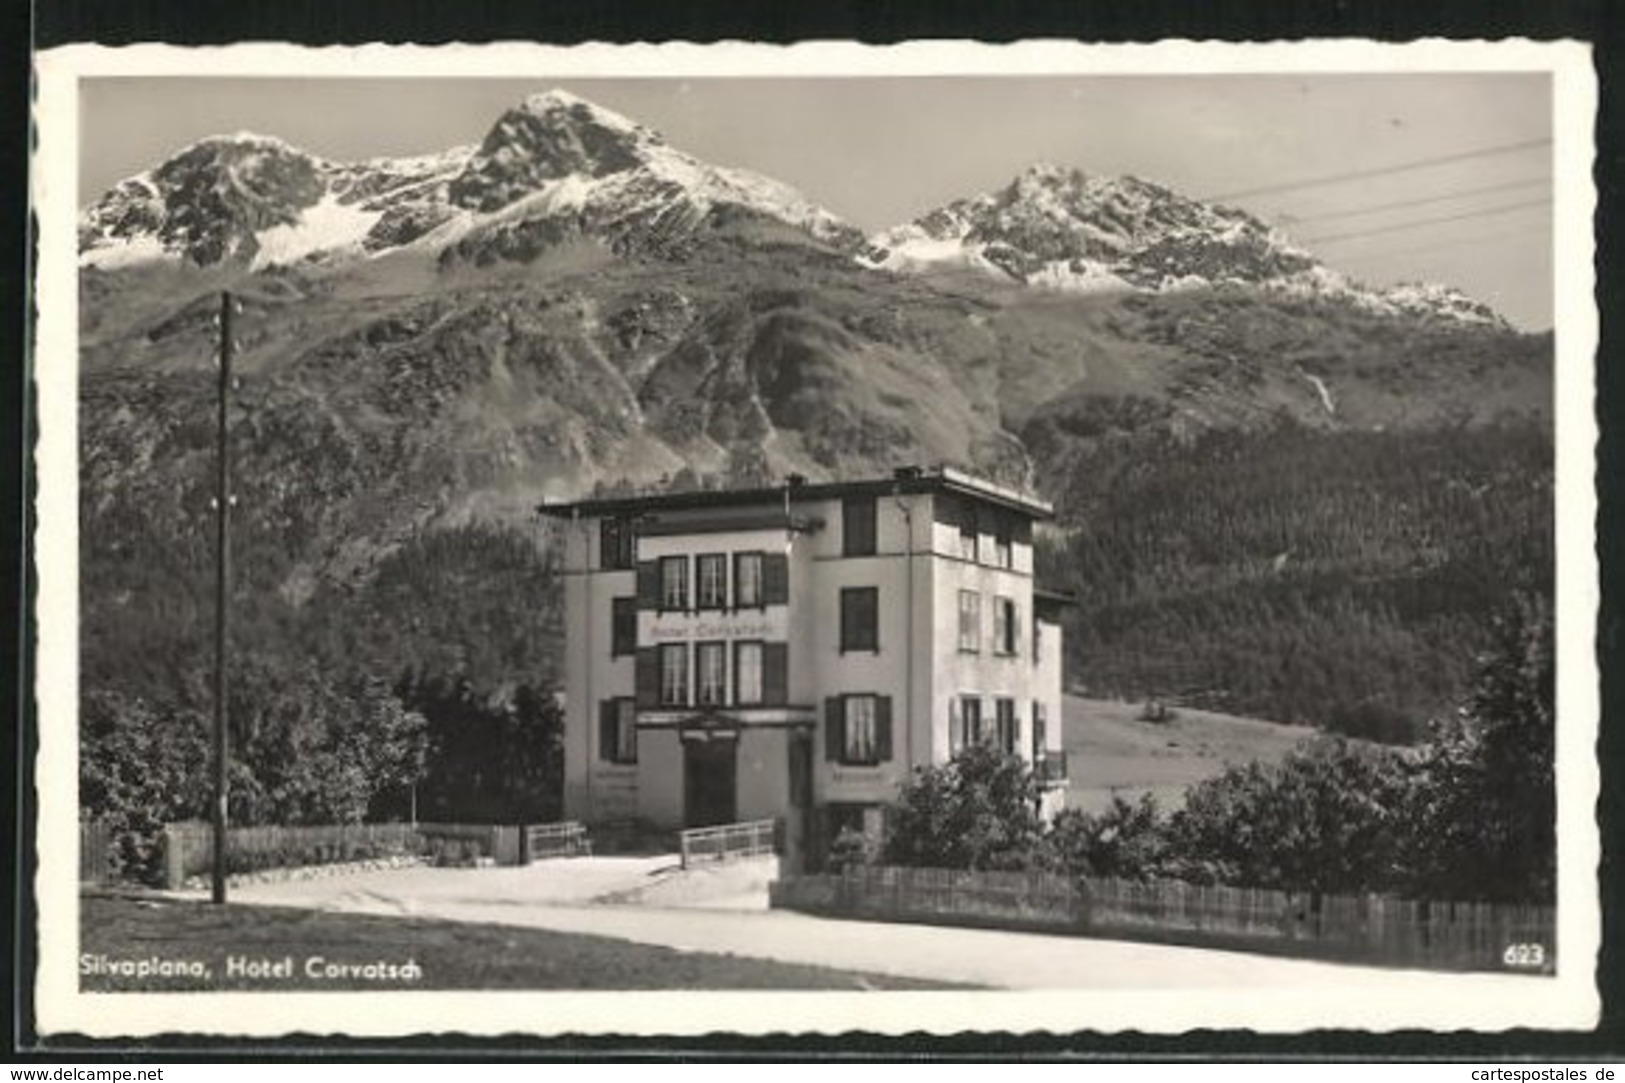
[(676, 539)]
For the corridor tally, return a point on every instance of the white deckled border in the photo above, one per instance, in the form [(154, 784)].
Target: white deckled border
[(1419, 1000)]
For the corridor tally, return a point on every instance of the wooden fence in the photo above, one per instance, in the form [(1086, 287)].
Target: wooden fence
[(460, 843), (189, 847), (566, 839), (728, 842), (1370, 928), (95, 852)]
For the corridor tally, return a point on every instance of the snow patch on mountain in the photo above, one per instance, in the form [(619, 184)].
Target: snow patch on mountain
[(920, 251), (1426, 298), (329, 226), (125, 253)]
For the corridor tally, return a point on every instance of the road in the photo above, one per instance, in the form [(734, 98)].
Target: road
[(725, 911)]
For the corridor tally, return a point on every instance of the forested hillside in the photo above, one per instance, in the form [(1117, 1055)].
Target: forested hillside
[(1340, 579)]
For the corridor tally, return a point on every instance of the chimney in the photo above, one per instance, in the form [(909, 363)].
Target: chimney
[(796, 481), (905, 473)]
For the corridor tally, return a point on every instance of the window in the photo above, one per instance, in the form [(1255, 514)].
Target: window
[(618, 731), (858, 527), (970, 721), (845, 819), (970, 621), (1006, 626), (775, 579), (747, 673), (616, 541), (1038, 637), (674, 674), (747, 580), (711, 680), (860, 619), (711, 580), (970, 534), (858, 739), (1003, 544), (858, 729), (1004, 724), (673, 582), (623, 627), (1040, 726)]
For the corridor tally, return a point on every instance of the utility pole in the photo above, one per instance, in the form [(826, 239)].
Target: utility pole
[(222, 598)]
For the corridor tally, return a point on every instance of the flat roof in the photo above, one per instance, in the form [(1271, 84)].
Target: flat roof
[(941, 479)]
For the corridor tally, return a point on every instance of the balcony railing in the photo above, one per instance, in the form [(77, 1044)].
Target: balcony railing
[(1050, 769)]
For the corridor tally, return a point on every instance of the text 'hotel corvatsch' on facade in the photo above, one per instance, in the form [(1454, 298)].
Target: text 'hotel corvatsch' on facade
[(795, 652)]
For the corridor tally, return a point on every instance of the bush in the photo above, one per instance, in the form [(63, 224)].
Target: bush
[(1327, 818), (140, 768), (1470, 816), (1127, 842), (1485, 803), (978, 811), (850, 848)]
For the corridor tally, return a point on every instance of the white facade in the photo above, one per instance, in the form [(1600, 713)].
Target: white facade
[(784, 658)]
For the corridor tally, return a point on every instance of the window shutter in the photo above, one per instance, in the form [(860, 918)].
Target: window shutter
[(776, 673), (606, 729), (1015, 627), (775, 579), (833, 727), (647, 676), (648, 584), (954, 725), (883, 728)]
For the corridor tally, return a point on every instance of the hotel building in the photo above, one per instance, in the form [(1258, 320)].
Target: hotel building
[(796, 652)]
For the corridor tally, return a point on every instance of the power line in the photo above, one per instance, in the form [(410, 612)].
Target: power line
[(1528, 182), (1414, 223), (1460, 242), (1383, 171)]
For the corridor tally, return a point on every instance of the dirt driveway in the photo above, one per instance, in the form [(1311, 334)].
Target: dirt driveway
[(723, 909)]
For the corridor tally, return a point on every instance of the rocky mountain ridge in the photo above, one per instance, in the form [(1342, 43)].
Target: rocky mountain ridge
[(552, 168), (557, 170), (1062, 229)]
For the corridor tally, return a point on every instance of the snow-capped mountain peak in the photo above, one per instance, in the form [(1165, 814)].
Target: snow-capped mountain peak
[(1057, 227), (1060, 227), (557, 100), (557, 170), (553, 168)]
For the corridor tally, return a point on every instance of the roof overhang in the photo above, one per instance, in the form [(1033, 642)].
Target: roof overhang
[(943, 479), (1051, 598)]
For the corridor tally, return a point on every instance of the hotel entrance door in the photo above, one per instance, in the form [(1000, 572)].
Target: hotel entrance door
[(708, 782)]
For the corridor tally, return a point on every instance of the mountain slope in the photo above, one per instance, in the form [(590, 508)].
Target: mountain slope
[(436, 344)]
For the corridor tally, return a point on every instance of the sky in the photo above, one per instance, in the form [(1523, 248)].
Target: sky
[(881, 151)]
